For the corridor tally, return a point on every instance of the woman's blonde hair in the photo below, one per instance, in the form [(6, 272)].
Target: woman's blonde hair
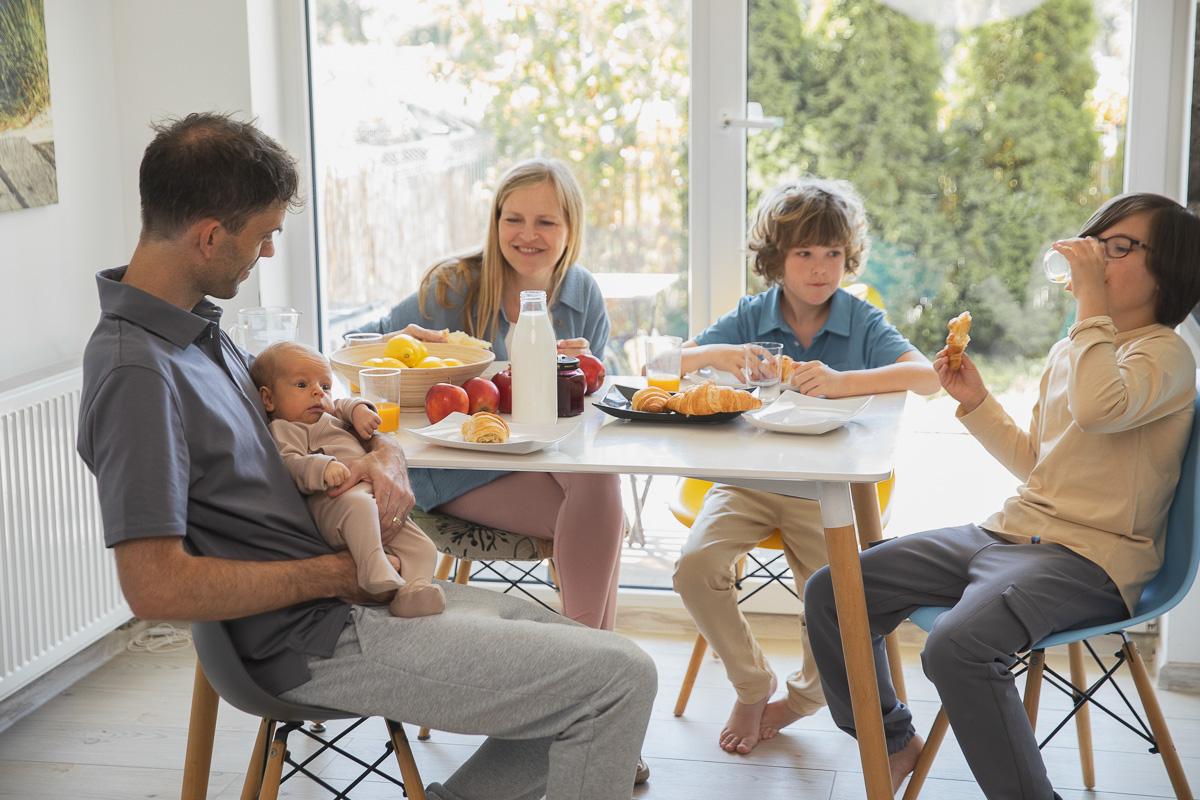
[(479, 274), (807, 211)]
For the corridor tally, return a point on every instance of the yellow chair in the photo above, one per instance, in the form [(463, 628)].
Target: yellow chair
[(686, 505)]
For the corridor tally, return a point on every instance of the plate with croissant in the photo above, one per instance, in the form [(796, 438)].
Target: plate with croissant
[(798, 413), (491, 433), (704, 403)]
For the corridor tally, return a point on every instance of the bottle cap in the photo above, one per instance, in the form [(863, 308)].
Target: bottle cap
[(567, 362)]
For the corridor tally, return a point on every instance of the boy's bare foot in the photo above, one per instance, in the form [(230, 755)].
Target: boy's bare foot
[(777, 716), (740, 733), (904, 761)]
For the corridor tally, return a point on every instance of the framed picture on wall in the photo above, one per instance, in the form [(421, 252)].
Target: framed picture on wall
[(28, 175)]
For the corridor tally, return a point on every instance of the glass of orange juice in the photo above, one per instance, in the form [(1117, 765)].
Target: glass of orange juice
[(663, 362), (381, 387)]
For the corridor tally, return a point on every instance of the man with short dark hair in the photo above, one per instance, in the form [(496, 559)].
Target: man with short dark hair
[(207, 524)]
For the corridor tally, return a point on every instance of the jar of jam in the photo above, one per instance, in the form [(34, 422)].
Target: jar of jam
[(571, 386)]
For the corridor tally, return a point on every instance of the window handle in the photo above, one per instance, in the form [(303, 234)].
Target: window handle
[(754, 119)]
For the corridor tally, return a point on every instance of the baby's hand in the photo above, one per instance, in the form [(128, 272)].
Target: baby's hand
[(365, 421), (817, 379), (336, 473)]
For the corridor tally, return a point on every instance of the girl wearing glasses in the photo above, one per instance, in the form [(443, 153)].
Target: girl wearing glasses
[(1083, 534)]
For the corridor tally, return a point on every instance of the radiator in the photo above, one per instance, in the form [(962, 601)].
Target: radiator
[(58, 583)]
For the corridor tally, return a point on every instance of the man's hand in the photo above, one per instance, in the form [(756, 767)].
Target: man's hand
[(365, 420), (963, 384), (335, 473), (387, 472), (817, 379), (573, 347)]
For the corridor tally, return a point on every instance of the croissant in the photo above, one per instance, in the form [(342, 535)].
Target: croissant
[(708, 398), (465, 339), (956, 341), (652, 399), (486, 428)]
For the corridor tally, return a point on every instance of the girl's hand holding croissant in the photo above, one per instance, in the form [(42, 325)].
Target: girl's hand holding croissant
[(964, 384)]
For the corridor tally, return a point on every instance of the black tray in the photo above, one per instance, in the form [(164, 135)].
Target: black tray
[(618, 403)]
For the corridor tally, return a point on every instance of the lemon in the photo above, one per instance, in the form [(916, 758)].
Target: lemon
[(451, 362), (407, 349), (383, 362), (430, 362)]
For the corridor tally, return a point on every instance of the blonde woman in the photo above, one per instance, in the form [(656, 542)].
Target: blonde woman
[(535, 233)]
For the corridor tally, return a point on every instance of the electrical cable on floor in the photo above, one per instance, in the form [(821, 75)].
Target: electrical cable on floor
[(161, 638)]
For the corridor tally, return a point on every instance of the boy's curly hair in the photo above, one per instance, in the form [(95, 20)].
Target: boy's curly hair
[(807, 211)]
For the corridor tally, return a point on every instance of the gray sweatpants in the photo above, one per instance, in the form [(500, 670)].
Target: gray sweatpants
[(565, 707), (1005, 597)]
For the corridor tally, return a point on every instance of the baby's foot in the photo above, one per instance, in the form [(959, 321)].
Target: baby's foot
[(418, 598), (776, 716), (902, 762), (740, 733)]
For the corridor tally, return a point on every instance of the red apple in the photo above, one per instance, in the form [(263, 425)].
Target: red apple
[(483, 394), (503, 381), (593, 371), (443, 399)]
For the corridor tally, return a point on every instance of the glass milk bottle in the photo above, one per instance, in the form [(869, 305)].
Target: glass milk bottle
[(534, 370)]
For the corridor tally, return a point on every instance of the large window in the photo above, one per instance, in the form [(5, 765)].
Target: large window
[(977, 134), (420, 106)]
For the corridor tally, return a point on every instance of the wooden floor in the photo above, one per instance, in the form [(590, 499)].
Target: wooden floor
[(120, 734)]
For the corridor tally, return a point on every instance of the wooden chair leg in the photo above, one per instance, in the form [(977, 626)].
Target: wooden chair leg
[(443, 568), (1083, 720), (462, 572), (553, 571), (258, 760), (896, 666), (413, 787), (202, 727), (273, 773), (1158, 724), (869, 527), (1033, 686), (689, 678), (925, 761)]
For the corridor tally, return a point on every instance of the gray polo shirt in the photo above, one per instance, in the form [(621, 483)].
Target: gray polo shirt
[(172, 426)]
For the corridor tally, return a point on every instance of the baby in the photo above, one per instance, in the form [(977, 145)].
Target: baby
[(315, 435)]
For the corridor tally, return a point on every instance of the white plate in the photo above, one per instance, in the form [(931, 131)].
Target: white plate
[(797, 413), (522, 439)]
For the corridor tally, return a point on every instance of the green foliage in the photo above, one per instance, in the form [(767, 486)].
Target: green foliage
[(24, 68)]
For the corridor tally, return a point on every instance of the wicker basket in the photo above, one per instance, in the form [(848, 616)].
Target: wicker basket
[(414, 383)]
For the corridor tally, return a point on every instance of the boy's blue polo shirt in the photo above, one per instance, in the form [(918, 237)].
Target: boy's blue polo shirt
[(856, 335)]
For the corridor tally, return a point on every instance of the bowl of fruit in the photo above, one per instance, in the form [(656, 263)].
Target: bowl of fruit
[(424, 363)]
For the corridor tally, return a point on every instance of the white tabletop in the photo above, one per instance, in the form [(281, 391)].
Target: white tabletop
[(735, 451)]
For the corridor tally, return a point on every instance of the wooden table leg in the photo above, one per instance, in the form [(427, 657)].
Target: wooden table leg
[(201, 730), (870, 529), (846, 572)]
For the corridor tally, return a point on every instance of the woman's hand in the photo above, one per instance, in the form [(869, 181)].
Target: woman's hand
[(365, 420), (573, 347), (417, 332), (817, 379), (724, 357), (963, 384)]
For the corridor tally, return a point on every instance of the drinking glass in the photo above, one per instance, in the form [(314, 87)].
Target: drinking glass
[(1058, 269), (358, 339), (663, 362), (258, 327), (381, 387), (762, 368)]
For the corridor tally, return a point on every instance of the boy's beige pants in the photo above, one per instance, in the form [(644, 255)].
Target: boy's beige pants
[(731, 523)]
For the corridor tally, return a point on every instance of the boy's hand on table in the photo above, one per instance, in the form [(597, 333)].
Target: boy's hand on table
[(817, 379), (963, 384), (729, 358)]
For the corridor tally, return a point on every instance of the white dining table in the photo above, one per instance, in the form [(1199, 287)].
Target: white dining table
[(838, 468)]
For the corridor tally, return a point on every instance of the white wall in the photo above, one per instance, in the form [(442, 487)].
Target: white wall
[(115, 66)]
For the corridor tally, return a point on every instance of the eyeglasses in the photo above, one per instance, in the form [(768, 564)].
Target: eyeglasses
[(1120, 246)]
